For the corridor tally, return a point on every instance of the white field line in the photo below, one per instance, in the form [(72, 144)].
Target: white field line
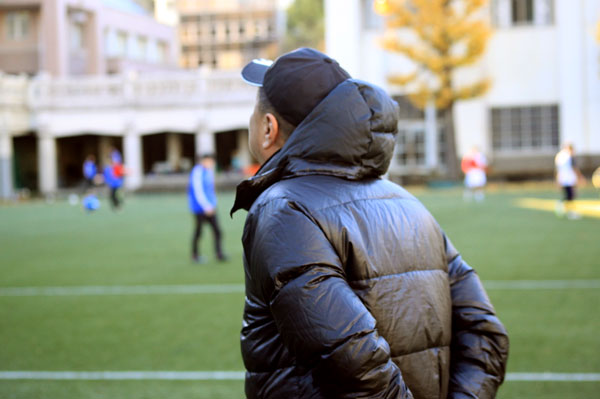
[(236, 375), (239, 288), (541, 284), (574, 377), (123, 290), (122, 375)]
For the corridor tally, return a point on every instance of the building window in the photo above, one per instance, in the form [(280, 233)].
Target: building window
[(507, 13), (525, 128), (410, 146), (162, 50), (257, 29), (411, 149), (141, 48), (76, 36), (17, 25), (407, 111), (121, 44), (227, 31), (522, 12)]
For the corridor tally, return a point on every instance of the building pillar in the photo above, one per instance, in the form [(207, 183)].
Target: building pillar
[(55, 26), (93, 42), (431, 137), (243, 149), (205, 142), (174, 150), (132, 152), (104, 146), (6, 160), (47, 167)]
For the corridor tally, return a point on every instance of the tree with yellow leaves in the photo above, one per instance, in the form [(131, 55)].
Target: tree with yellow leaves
[(446, 35)]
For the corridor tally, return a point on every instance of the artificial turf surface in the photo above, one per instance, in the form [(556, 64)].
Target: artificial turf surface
[(147, 243)]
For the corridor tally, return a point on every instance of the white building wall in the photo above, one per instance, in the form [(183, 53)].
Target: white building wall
[(522, 63), (472, 124), (343, 33), (372, 60), (571, 63), (529, 65), (591, 15)]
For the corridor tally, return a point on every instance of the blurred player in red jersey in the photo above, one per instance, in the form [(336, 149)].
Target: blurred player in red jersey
[(474, 166)]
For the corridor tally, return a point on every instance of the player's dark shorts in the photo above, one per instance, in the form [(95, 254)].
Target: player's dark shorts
[(569, 193)]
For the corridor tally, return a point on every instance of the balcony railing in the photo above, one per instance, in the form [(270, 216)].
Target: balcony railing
[(196, 88), (13, 90)]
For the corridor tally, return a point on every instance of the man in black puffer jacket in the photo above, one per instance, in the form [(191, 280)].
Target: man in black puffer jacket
[(352, 288)]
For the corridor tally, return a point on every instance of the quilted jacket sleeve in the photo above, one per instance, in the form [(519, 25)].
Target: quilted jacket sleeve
[(322, 323), (479, 340)]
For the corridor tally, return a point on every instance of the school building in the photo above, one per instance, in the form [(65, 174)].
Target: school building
[(227, 34), (80, 77), (544, 64)]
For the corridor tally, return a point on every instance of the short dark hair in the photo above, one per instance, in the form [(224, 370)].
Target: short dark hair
[(265, 106)]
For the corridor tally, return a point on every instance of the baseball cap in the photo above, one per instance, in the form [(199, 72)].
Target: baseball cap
[(295, 82)]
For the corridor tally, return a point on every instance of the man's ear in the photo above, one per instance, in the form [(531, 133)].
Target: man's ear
[(271, 131)]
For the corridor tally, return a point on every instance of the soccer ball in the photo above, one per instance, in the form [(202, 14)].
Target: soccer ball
[(91, 203)]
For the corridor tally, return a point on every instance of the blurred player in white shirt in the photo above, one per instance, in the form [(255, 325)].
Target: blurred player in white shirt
[(567, 177)]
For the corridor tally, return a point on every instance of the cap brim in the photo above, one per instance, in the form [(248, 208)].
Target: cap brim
[(254, 72)]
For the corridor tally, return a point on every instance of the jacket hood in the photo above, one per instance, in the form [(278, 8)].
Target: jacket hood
[(350, 134)]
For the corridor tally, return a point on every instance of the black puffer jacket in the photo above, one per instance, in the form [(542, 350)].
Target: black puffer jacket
[(352, 288)]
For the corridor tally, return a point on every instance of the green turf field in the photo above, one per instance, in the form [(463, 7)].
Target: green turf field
[(147, 244)]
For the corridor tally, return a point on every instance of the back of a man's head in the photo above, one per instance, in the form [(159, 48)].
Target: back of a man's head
[(292, 86), (265, 106)]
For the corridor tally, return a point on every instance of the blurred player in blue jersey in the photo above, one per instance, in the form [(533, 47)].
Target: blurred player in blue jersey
[(203, 204)]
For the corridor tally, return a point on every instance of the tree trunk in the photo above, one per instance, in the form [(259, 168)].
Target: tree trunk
[(452, 165)]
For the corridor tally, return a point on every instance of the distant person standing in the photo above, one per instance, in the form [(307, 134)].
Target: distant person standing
[(474, 166), (113, 177), (115, 156), (567, 176), (203, 204), (89, 171)]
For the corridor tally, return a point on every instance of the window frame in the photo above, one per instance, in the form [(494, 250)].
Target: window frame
[(524, 129), (542, 13), (522, 12), (17, 21)]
